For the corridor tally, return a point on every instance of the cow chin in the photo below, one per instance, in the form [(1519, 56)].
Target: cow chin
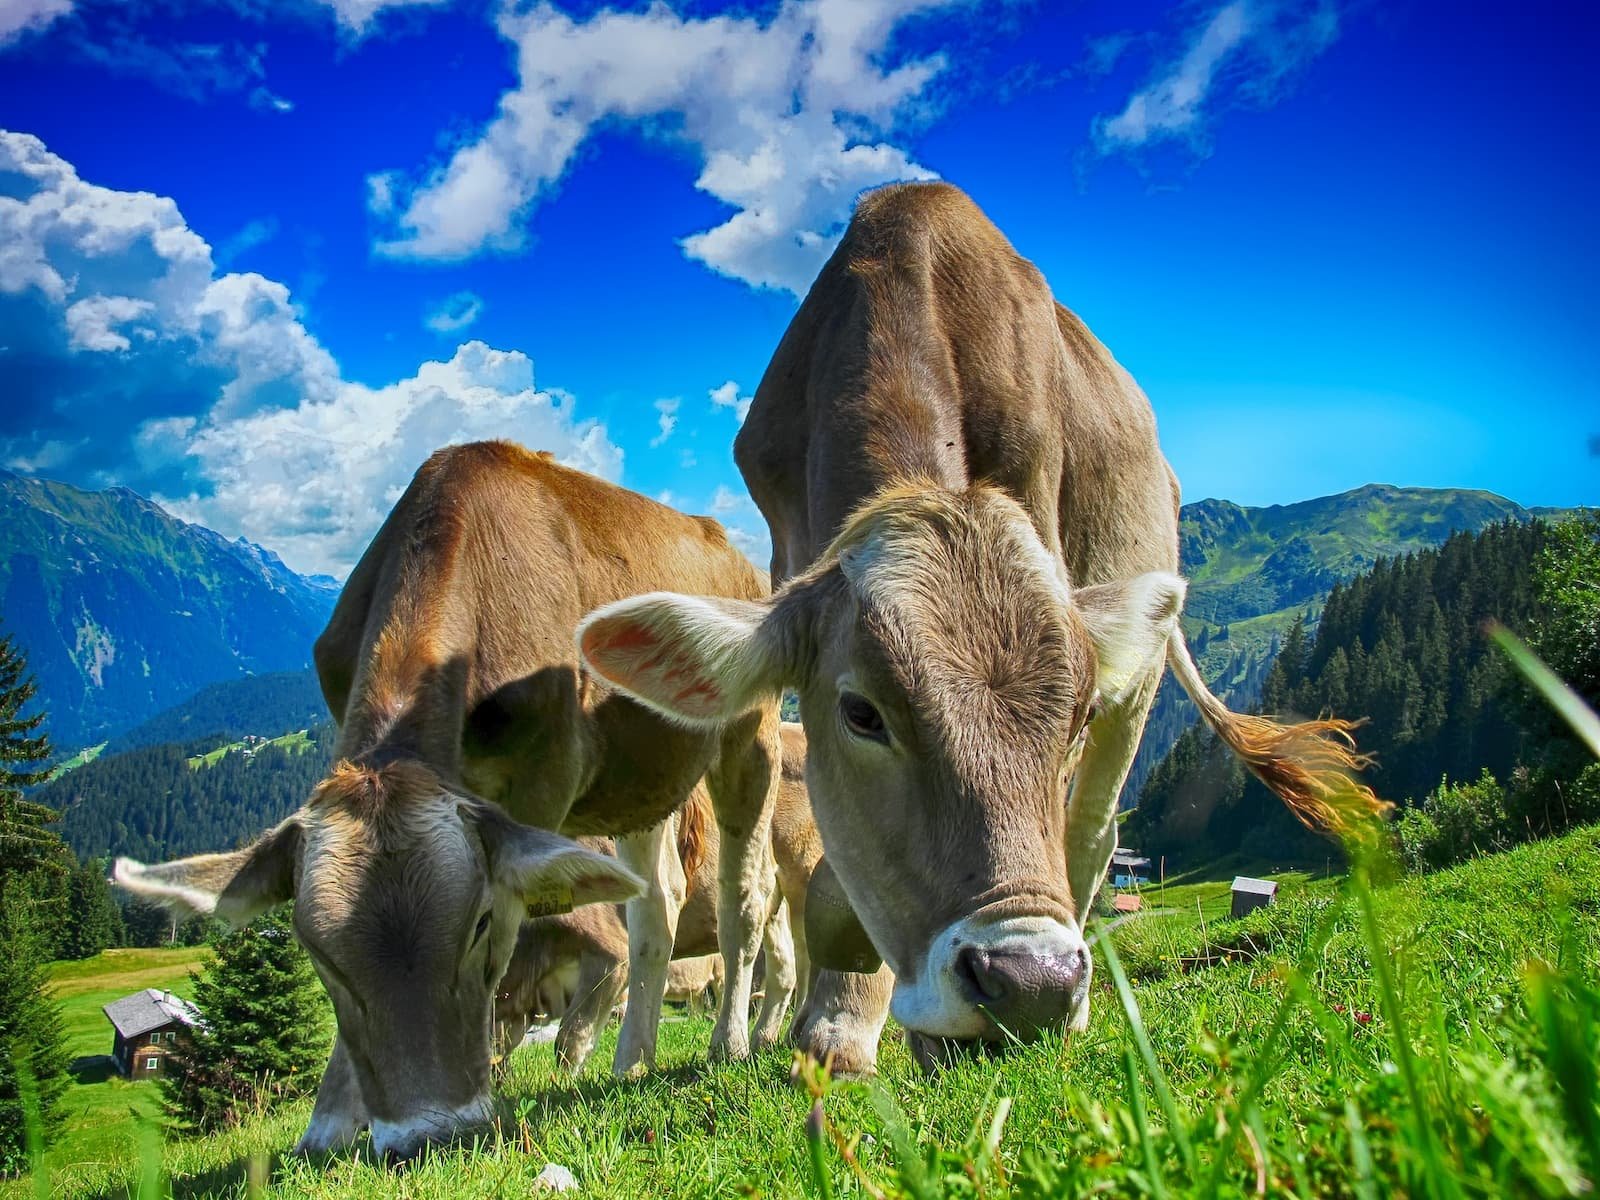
[(1004, 981), (405, 1139)]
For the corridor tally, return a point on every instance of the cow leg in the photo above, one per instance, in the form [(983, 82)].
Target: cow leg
[(1092, 809), (652, 928), (779, 981), (340, 1114), (744, 789), (601, 979), (842, 1019)]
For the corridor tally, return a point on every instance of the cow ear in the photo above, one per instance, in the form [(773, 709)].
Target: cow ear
[(1129, 622), (698, 660), (549, 873), (233, 887)]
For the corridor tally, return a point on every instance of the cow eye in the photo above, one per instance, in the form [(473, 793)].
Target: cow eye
[(861, 718), (483, 928)]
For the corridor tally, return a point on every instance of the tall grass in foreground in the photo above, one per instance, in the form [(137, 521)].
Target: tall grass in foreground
[(1403, 1099)]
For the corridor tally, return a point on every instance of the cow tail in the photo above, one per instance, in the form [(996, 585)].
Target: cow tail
[(692, 820), (1311, 766)]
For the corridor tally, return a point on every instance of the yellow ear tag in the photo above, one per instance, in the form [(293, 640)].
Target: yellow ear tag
[(550, 901)]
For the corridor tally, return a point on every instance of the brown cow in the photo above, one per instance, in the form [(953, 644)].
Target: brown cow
[(466, 727), (573, 966), (977, 536)]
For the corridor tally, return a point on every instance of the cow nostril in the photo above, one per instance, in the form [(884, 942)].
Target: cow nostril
[(977, 974)]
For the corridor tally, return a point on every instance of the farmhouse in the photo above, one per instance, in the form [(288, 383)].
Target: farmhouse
[(149, 1026), (1250, 894), (1129, 869)]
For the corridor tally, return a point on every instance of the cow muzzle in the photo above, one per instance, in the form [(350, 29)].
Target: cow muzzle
[(398, 1142), (1012, 980)]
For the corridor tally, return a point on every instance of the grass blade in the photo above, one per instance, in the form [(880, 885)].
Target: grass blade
[(1147, 1052), (1548, 684)]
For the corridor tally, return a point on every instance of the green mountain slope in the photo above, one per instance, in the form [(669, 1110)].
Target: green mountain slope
[(1252, 571), (124, 610)]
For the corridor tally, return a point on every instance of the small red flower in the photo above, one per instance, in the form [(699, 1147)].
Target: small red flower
[(1363, 1018)]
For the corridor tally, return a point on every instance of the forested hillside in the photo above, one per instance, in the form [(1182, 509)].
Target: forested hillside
[(152, 803), (1253, 572), (1401, 645), (264, 705)]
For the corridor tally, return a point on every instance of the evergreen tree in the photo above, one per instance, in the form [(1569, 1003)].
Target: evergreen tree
[(265, 1028), (94, 921), (32, 1042), (24, 840)]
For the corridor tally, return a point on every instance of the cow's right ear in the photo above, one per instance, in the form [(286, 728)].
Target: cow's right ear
[(234, 887), (698, 660)]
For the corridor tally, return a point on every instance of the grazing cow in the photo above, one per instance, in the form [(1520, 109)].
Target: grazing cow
[(466, 728), (975, 534), (573, 966)]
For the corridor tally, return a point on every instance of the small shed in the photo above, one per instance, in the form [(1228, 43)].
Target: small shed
[(1126, 903), (149, 1026), (1250, 894), (1129, 869)]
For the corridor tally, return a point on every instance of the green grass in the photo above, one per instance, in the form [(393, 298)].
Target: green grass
[(299, 741), (1436, 1037)]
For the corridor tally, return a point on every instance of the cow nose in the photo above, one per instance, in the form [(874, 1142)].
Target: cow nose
[(1023, 992)]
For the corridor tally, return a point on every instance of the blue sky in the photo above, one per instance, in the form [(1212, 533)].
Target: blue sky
[(258, 259)]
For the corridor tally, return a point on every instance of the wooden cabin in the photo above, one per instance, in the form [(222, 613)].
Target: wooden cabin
[(149, 1026)]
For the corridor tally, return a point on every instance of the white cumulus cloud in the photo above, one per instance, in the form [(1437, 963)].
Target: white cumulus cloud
[(727, 396), (208, 390), (314, 481), (789, 116)]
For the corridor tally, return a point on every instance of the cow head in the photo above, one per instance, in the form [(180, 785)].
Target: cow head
[(408, 896), (947, 675)]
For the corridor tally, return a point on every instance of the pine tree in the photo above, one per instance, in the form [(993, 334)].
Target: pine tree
[(32, 1042), (24, 840), (265, 1028), (94, 920)]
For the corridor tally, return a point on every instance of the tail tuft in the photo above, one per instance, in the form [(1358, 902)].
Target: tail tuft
[(1311, 766)]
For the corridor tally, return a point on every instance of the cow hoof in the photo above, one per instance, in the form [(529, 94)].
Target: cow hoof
[(727, 1051)]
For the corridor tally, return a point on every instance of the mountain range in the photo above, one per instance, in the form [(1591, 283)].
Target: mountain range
[(143, 630), (124, 610)]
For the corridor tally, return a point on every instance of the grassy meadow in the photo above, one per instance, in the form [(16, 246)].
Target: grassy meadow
[(1433, 1037)]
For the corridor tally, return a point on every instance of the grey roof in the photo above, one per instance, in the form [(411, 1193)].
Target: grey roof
[(1127, 858), (1259, 887), (150, 1009)]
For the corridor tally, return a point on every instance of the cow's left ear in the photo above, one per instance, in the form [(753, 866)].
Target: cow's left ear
[(1129, 622), (700, 660), (234, 887), (549, 873)]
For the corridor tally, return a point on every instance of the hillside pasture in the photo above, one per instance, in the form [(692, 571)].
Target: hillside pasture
[(104, 1112), (1433, 1037)]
